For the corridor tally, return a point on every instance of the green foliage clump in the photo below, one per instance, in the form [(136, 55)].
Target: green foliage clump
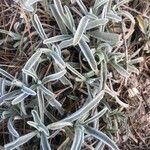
[(84, 54)]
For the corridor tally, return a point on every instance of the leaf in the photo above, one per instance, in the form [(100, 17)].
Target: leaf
[(96, 23), (31, 74), (66, 43), (82, 7), (11, 128), (78, 138), (110, 38), (38, 26), (54, 76), (58, 19), (88, 55), (46, 91), (60, 11), (33, 60), (57, 38), (59, 125), (9, 96), (120, 69), (6, 74), (20, 141), (80, 30), (113, 15), (41, 103), (28, 91), (75, 72), (69, 16), (102, 137), (98, 115), (86, 108), (44, 142), (99, 3), (19, 98)]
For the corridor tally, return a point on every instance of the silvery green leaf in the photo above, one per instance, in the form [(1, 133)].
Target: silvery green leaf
[(58, 59), (38, 123), (69, 16), (31, 74), (20, 141), (110, 38), (54, 103), (11, 128), (112, 15), (98, 115), (9, 96), (66, 43), (88, 55), (99, 3), (41, 103), (54, 76), (58, 19), (120, 3), (57, 38), (102, 137), (75, 72), (31, 2), (63, 79), (38, 26), (86, 108), (46, 91), (44, 142), (120, 69), (78, 138), (82, 7), (32, 60), (60, 10), (59, 125), (19, 98), (28, 91), (115, 95), (96, 23), (6, 74), (80, 30)]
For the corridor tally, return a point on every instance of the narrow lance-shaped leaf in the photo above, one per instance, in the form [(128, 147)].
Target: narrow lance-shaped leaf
[(96, 23), (80, 30), (19, 98), (6, 74), (38, 26), (58, 19), (33, 59), (75, 72), (98, 115), (110, 38), (78, 138), (82, 7), (120, 69), (86, 108), (44, 142), (11, 128), (20, 141), (54, 76), (57, 38), (88, 55), (58, 125), (9, 96), (102, 137)]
